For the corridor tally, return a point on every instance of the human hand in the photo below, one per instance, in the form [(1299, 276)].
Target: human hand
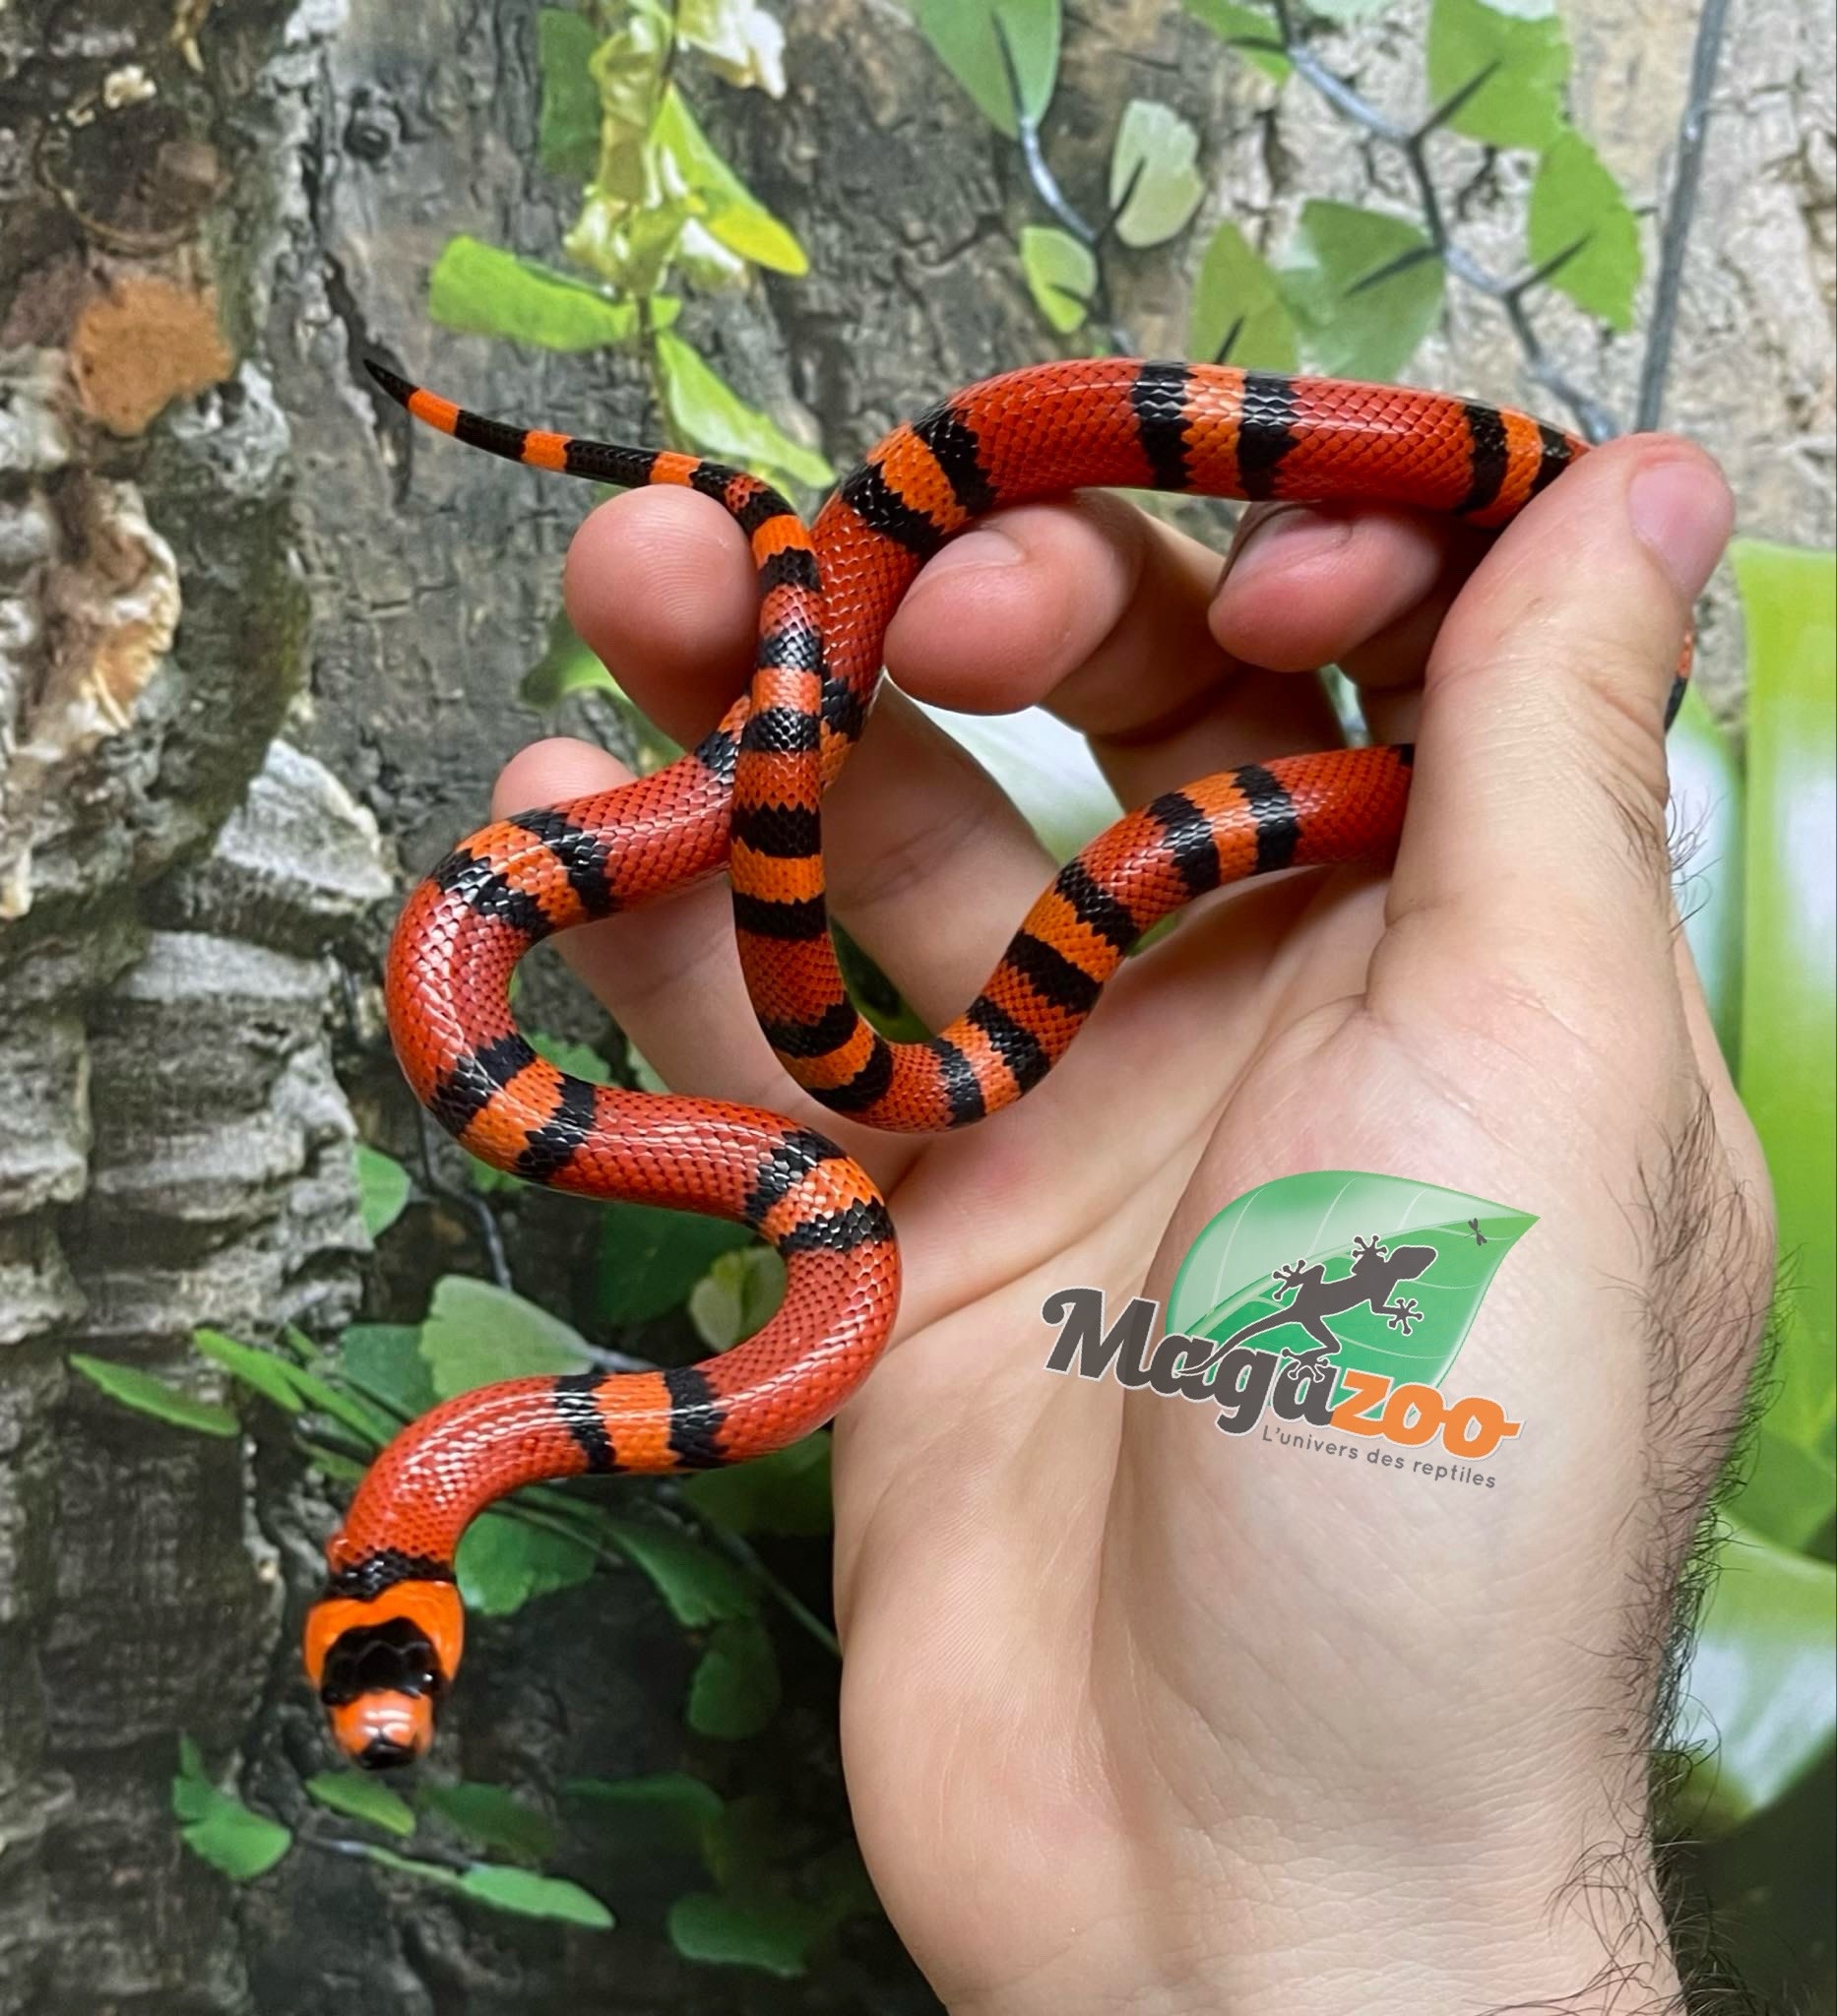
[(1135, 1715)]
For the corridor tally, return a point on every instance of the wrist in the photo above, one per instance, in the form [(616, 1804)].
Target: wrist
[(1364, 1934)]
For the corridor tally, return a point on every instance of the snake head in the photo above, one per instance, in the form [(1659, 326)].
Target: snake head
[(381, 1664)]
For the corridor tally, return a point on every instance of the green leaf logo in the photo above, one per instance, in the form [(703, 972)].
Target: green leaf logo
[(1392, 1272)]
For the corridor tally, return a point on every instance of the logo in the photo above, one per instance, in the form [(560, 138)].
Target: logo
[(1334, 1302)]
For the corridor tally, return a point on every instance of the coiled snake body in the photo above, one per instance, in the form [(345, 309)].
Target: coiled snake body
[(384, 1641)]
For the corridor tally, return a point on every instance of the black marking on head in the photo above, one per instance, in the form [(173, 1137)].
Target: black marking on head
[(363, 1580), (845, 712), (1095, 907), (1188, 835), (1277, 826), (953, 446), (829, 1031), (1265, 431), (1159, 399), (395, 1657), (868, 1085), (864, 1224), (1057, 979), (1555, 456), (788, 832), (793, 921), (582, 854), (488, 893), (784, 1166), (880, 508), (549, 1150), (696, 1419), (574, 1404), (1019, 1048), (962, 1093), (791, 567), (1491, 455), (475, 1079), (783, 732)]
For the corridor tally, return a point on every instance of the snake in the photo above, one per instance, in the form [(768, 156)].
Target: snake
[(383, 1642)]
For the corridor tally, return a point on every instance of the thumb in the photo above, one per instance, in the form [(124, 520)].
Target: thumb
[(1537, 813)]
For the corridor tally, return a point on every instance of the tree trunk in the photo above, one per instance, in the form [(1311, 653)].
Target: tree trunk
[(259, 650)]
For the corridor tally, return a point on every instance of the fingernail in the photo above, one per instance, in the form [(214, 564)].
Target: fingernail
[(1682, 510), (1283, 537), (986, 547)]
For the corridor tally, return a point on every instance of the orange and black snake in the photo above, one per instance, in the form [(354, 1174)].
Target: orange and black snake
[(383, 1643)]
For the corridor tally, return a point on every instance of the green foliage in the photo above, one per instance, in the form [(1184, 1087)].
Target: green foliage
[(1061, 275), (665, 1810), (146, 1395), (1251, 30), (969, 36), (271, 1376), (491, 1817), (1239, 314), (1364, 289), (737, 1295), (735, 218), (734, 1691), (700, 1586), (383, 1362), (520, 1891), (383, 1190), (482, 290), (1154, 177), (361, 1795), (710, 412), (1522, 52), (505, 1563), (650, 1259), (568, 139), (771, 1933), (219, 1828), (1787, 1074), (1580, 216), (476, 1332), (786, 1493)]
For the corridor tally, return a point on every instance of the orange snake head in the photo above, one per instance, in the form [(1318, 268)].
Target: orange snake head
[(381, 1665)]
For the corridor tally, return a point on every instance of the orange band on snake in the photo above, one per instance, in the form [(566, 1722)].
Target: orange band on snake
[(383, 1644)]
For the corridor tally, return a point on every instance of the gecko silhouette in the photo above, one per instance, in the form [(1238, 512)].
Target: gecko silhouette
[(1375, 1273)]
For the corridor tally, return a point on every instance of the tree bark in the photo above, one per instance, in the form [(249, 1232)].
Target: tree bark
[(259, 650)]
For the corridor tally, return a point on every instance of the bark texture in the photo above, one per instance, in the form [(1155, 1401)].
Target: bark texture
[(259, 647)]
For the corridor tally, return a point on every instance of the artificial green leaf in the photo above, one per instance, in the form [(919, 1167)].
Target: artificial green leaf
[(505, 1563), (476, 1332), (733, 213), (734, 1691), (219, 1828), (737, 1295), (1706, 799), (650, 1259), (1364, 289), (700, 1586), (1061, 275), (1347, 9), (383, 1190), (1153, 174), (1045, 768), (969, 34), (668, 1810), (334, 1464), (742, 41), (522, 1891), (1524, 54), (785, 1493), (485, 292), (384, 1360), (148, 1394), (771, 1933), (1238, 315), (360, 1795), (1576, 202), (568, 138), (492, 1817), (712, 415), (1759, 1700), (1787, 1074), (271, 1376), (1248, 29), (1226, 1284)]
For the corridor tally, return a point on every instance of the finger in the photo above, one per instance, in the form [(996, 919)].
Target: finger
[(1538, 808), (914, 833), (1094, 609)]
